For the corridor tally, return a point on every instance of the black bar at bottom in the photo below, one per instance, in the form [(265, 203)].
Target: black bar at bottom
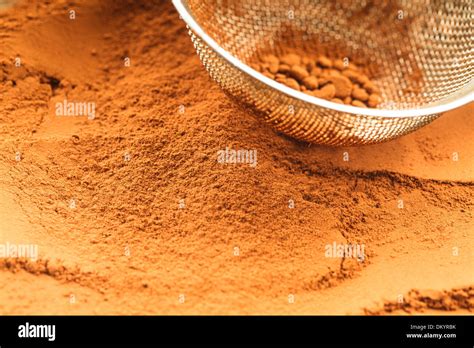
[(395, 330)]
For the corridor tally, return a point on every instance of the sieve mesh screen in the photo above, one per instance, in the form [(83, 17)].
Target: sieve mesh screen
[(418, 52)]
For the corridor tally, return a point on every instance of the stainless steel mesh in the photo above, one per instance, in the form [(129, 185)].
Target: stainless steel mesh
[(418, 52)]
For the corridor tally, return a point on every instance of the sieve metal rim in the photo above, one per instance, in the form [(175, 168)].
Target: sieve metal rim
[(188, 18)]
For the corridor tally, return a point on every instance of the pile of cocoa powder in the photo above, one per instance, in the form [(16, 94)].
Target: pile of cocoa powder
[(157, 217), (337, 80)]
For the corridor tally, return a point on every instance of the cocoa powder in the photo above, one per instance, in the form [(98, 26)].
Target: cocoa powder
[(336, 80), (170, 118)]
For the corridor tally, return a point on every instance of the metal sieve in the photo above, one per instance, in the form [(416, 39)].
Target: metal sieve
[(418, 52)]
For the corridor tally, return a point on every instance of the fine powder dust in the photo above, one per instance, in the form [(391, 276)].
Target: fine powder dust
[(133, 213)]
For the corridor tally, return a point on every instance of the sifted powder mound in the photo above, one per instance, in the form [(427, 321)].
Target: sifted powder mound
[(133, 213), (430, 301)]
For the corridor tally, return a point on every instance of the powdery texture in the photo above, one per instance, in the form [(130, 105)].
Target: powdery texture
[(126, 245)]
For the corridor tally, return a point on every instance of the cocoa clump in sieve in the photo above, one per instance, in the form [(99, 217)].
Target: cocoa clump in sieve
[(336, 80)]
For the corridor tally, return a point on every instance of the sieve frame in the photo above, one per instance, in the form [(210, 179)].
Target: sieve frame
[(466, 94)]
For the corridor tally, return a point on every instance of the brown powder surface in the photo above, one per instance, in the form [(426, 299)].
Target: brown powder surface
[(157, 220), (430, 301)]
